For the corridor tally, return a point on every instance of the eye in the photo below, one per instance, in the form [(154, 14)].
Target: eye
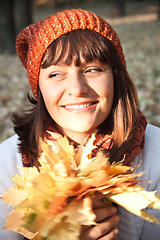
[(57, 76), (93, 70), (54, 75)]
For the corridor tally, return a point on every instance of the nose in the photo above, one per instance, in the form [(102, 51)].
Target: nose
[(77, 84)]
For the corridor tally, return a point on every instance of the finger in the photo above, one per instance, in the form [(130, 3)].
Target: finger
[(95, 232), (112, 235), (104, 213), (85, 228), (98, 195), (99, 203)]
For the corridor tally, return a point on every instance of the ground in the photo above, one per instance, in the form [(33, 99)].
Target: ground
[(139, 32)]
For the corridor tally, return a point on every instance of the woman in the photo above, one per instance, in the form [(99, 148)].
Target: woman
[(77, 72)]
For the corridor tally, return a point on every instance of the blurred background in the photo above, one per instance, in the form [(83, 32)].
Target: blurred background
[(136, 22)]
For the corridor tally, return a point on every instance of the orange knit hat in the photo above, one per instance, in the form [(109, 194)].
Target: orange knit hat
[(33, 41)]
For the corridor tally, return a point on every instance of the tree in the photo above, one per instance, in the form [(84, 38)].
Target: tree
[(118, 8), (14, 16), (158, 9), (22, 14), (7, 28)]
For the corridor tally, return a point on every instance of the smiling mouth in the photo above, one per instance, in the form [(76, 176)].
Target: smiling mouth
[(80, 106)]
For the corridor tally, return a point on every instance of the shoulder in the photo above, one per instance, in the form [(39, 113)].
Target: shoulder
[(149, 161), (152, 147), (10, 142), (9, 152), (152, 136), (150, 157), (151, 153), (10, 159)]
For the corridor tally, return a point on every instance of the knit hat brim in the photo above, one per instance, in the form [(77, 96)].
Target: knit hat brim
[(34, 40)]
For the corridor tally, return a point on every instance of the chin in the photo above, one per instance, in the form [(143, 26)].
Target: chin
[(81, 129)]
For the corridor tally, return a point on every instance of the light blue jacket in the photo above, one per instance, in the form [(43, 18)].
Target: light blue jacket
[(130, 226)]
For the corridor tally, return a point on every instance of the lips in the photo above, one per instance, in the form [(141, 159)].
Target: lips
[(79, 106)]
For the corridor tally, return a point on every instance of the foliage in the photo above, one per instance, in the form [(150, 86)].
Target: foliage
[(56, 201)]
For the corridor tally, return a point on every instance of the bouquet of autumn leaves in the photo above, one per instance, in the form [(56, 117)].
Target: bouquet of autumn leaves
[(56, 201)]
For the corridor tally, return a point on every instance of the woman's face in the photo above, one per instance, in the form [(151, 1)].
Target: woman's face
[(77, 98)]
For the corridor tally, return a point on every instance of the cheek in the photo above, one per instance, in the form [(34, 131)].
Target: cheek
[(50, 92), (50, 98), (106, 89)]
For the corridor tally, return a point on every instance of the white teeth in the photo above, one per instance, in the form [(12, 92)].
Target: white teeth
[(85, 105)]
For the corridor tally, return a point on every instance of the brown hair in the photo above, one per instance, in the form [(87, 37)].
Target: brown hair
[(34, 40), (124, 114)]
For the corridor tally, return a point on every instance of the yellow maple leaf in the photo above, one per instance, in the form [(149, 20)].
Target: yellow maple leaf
[(13, 196), (14, 223), (135, 200), (56, 201)]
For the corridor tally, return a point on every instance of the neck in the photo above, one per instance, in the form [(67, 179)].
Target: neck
[(75, 137)]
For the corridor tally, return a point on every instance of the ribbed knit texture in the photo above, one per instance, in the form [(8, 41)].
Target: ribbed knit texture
[(33, 41)]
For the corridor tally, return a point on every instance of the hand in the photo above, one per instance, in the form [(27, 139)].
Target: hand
[(106, 219)]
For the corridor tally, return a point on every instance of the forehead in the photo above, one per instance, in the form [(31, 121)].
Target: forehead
[(78, 46)]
